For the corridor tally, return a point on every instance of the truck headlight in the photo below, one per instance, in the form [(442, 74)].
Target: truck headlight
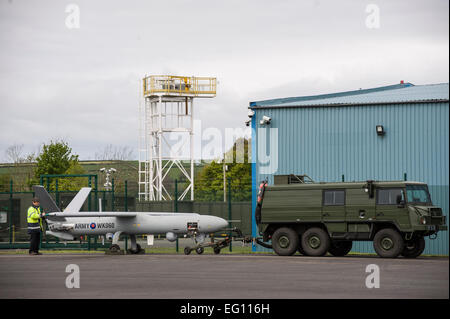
[(423, 220)]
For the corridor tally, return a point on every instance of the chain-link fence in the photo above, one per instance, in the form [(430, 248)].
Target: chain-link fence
[(229, 199)]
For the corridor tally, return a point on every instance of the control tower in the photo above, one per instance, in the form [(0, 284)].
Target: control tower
[(166, 140)]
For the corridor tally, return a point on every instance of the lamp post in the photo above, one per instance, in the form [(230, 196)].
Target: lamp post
[(108, 185), (108, 172), (225, 169)]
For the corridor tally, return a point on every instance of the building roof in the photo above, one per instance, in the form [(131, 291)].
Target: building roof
[(392, 94)]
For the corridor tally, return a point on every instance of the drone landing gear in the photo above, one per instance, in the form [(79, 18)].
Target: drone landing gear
[(115, 248), (135, 247)]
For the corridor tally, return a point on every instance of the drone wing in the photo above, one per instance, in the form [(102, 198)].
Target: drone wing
[(93, 214), (77, 201)]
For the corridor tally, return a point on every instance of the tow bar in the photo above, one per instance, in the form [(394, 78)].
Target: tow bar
[(219, 244)]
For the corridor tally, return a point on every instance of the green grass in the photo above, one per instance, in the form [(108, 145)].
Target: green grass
[(50, 251)]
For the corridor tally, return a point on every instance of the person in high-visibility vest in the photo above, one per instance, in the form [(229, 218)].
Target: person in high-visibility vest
[(34, 220)]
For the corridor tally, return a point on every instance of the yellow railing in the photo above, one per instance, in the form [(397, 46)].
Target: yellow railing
[(179, 85)]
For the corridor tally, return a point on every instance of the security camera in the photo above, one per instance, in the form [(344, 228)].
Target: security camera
[(113, 170), (250, 113), (102, 169), (265, 120), (247, 123)]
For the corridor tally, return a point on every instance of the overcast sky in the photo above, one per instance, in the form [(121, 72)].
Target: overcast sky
[(82, 84)]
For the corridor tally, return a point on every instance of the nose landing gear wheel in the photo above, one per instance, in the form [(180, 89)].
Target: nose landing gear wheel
[(187, 250)]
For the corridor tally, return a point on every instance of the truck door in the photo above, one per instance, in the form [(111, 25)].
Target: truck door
[(388, 206), (333, 209), (360, 211)]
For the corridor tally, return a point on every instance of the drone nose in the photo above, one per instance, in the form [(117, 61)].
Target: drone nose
[(212, 223), (223, 223)]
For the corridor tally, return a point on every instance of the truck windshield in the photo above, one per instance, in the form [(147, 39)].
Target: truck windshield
[(418, 194)]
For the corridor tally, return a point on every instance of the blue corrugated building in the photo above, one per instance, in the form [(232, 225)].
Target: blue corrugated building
[(332, 137)]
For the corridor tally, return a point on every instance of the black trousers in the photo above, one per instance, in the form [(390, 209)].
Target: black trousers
[(35, 238)]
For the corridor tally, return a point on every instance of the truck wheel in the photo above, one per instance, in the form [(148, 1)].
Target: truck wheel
[(285, 241), (414, 247), (315, 242), (340, 248), (388, 243)]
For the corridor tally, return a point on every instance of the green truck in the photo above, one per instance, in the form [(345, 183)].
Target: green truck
[(316, 218)]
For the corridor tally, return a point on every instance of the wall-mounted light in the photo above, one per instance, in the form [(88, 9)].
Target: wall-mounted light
[(380, 130), (265, 120)]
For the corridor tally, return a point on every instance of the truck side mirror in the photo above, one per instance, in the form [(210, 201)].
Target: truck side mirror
[(370, 188), (400, 201)]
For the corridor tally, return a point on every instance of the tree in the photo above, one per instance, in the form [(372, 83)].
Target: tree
[(209, 182), (115, 153), (73, 183), (14, 153), (57, 158), (4, 182)]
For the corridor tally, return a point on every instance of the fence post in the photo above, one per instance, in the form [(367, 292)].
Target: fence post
[(89, 200), (175, 203), (57, 192), (10, 211), (126, 196), (405, 177), (343, 178), (112, 195), (96, 193), (229, 213)]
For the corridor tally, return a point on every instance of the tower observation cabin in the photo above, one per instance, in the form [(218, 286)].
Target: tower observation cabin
[(166, 136)]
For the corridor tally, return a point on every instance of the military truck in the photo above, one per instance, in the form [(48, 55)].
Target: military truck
[(316, 218)]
